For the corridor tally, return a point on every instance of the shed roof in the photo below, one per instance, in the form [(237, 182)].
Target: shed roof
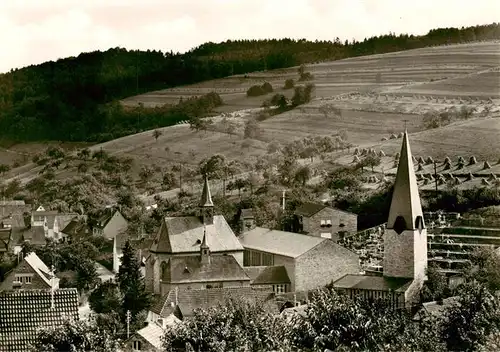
[(289, 244), (272, 275), (375, 283)]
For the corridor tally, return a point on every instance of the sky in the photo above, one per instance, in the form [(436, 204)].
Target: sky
[(35, 31)]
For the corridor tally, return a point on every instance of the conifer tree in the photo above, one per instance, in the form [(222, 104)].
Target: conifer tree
[(135, 298)]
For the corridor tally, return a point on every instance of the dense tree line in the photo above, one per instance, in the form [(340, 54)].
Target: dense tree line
[(68, 99)]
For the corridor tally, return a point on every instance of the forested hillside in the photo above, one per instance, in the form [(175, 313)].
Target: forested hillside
[(68, 100)]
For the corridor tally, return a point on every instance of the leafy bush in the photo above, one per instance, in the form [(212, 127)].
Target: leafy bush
[(257, 90), (289, 84)]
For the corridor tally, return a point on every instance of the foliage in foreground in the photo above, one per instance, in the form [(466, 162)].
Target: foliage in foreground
[(335, 322), (75, 336)]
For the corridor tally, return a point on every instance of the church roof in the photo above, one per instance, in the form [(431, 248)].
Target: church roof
[(375, 283), (206, 196), (185, 235), (289, 244), (405, 197), (189, 269)]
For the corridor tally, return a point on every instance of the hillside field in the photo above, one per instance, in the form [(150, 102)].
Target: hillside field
[(374, 93)]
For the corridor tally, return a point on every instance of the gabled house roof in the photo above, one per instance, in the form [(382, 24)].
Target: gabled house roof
[(189, 269), (152, 333), (22, 312), (40, 268), (184, 235), (63, 220), (36, 235), (189, 300), (105, 216), (288, 244), (75, 227), (308, 209)]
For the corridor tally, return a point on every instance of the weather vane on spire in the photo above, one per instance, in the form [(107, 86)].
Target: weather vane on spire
[(405, 121)]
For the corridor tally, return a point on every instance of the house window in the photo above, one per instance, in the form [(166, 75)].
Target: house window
[(28, 279), (280, 288), (19, 279), (323, 222), (326, 235), (328, 222), (136, 345), (214, 285)]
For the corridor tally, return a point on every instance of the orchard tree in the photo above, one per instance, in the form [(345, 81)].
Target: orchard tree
[(157, 134)]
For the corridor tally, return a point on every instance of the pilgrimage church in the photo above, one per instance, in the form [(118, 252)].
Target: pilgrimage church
[(405, 244)]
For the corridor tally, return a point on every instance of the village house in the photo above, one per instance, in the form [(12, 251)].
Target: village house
[(405, 244), (52, 222), (19, 322), (195, 252), (310, 262), (316, 219), (149, 337), (77, 227), (182, 302), (31, 273), (110, 223)]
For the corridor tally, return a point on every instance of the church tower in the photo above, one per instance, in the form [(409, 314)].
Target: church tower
[(204, 249), (206, 205), (405, 240)]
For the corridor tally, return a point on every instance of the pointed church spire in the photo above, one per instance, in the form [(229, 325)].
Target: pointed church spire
[(405, 207), (204, 249), (206, 196)]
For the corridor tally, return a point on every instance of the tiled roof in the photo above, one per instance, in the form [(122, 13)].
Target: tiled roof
[(22, 312), (190, 269), (46, 213), (309, 209), (289, 244), (184, 235), (272, 275), (188, 300), (75, 227), (152, 333), (366, 282), (36, 235)]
